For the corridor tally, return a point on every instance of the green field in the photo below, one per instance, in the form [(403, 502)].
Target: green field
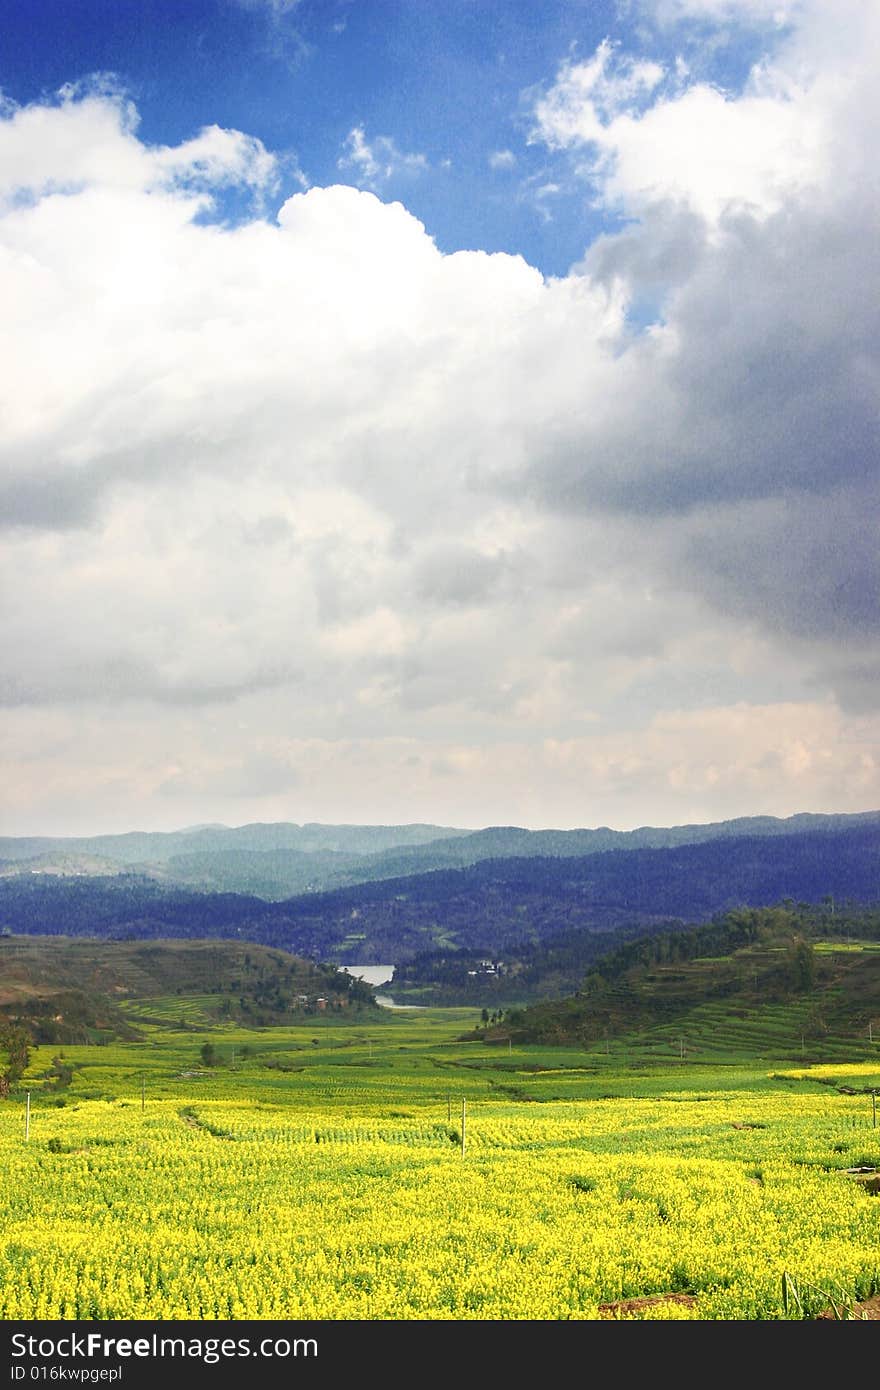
[(318, 1172)]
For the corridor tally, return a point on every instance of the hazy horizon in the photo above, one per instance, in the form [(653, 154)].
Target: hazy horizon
[(469, 829)]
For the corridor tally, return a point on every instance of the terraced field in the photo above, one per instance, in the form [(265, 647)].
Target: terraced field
[(321, 1172)]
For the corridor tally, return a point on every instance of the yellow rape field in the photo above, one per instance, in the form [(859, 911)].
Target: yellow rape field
[(341, 1191)]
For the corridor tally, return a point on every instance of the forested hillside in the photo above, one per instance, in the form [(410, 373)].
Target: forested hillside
[(278, 861), (820, 966), (491, 907)]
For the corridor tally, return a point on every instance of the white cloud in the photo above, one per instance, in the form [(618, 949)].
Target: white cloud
[(696, 146), (587, 96), (277, 8), (377, 161), (775, 13), (87, 139), (706, 766), (219, 157), (502, 159), (301, 511)]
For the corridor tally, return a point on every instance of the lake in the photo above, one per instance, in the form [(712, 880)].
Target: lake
[(377, 975), (371, 974)]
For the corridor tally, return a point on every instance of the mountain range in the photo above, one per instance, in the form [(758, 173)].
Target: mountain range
[(533, 906), (280, 860)]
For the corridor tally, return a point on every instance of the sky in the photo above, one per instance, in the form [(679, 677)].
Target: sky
[(450, 411)]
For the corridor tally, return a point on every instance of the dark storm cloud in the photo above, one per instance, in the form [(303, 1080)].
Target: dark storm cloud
[(761, 388), (810, 566)]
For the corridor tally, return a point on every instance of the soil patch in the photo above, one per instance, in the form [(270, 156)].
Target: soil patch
[(869, 1311), (631, 1307)]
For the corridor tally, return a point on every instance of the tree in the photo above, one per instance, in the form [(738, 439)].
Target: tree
[(16, 1042), (802, 965), (209, 1054)]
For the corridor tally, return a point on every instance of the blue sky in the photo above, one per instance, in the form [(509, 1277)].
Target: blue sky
[(446, 412), (449, 83)]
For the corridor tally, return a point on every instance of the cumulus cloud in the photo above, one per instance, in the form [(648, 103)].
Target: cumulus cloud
[(699, 147), (382, 532), (747, 415), (87, 139)]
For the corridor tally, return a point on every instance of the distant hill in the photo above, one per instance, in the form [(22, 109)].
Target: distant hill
[(499, 904), (506, 842), (65, 990), (491, 907), (277, 861), (157, 847), (807, 973)]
